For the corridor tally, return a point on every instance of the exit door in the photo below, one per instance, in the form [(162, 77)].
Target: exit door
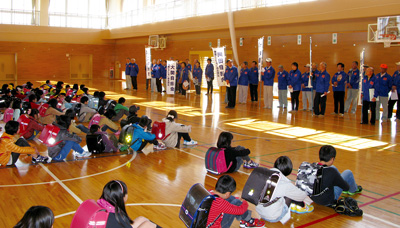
[(8, 66), (81, 67)]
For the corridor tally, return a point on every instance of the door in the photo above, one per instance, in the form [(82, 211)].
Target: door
[(81, 67), (8, 66)]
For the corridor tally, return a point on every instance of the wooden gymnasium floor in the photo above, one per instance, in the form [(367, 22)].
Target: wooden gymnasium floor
[(158, 182)]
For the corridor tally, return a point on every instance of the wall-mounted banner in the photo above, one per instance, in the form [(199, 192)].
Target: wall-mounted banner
[(171, 76), (148, 62), (220, 59), (260, 56)]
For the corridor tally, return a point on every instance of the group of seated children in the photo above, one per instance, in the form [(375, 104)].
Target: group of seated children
[(287, 197)]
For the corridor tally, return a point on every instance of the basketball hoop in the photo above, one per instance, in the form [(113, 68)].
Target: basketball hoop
[(388, 39)]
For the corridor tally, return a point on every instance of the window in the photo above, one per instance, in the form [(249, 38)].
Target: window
[(20, 12)]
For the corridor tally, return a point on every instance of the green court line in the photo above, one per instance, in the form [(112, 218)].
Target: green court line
[(385, 210), (373, 192)]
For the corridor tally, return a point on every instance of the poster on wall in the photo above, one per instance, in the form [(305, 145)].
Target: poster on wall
[(148, 62), (260, 56), (362, 56), (220, 58), (171, 76)]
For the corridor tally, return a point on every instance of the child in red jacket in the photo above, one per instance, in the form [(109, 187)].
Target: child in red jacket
[(34, 127), (226, 207)]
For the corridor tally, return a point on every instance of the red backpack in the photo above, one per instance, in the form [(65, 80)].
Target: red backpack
[(49, 134), (23, 121), (90, 214), (159, 130), (8, 115), (95, 120), (42, 109), (215, 161)]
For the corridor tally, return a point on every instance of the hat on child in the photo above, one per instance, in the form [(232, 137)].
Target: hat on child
[(307, 65)]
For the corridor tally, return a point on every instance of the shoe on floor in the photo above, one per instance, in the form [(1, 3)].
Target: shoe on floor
[(252, 223), (301, 210), (333, 113), (84, 154), (250, 165), (160, 146), (359, 190), (341, 115), (189, 143), (40, 159)]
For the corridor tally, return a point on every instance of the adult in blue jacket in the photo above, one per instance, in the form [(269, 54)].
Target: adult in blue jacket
[(369, 102), (253, 81), (158, 75), (268, 77), (209, 76), (183, 77), (383, 86), (127, 73), (283, 78), (243, 83), (306, 92), (133, 73), (295, 85), (322, 80), (197, 75), (395, 88), (231, 78), (141, 137), (339, 82), (353, 85)]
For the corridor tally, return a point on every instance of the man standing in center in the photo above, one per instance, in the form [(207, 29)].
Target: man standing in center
[(268, 77), (231, 78), (133, 73), (322, 80)]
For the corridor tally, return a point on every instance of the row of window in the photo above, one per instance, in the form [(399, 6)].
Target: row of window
[(95, 13)]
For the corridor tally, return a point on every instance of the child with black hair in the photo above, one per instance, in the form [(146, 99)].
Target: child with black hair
[(120, 109), (11, 148), (333, 182), (51, 112), (17, 106), (113, 199), (102, 99), (37, 216), (32, 101), (225, 208), (67, 102), (65, 141), (86, 113), (74, 128), (175, 131), (286, 196), (48, 83), (34, 127), (109, 145), (141, 137), (134, 118), (107, 123), (234, 155)]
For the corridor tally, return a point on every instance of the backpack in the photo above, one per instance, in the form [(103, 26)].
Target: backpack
[(77, 109), (309, 178), (8, 115), (110, 105), (49, 134), (95, 120), (348, 206), (93, 103), (23, 121), (42, 109), (260, 186), (90, 214), (215, 161), (126, 135), (95, 143), (25, 107), (158, 129), (196, 207)]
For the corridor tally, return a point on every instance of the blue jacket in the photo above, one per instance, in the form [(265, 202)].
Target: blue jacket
[(383, 84), (353, 77), (210, 71), (231, 74), (189, 67), (153, 70), (139, 135), (244, 77), (396, 80), (157, 70), (322, 81), (366, 85), (127, 69), (341, 85), (304, 80), (185, 76), (283, 80), (198, 72), (295, 80), (268, 77), (253, 77), (314, 81), (134, 69), (164, 71)]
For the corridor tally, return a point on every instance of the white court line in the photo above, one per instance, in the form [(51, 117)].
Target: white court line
[(212, 177), (62, 184), (71, 179), (65, 214), (381, 220)]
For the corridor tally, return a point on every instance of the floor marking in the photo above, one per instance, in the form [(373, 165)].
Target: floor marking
[(65, 214), (75, 178), (381, 220), (212, 177), (62, 184)]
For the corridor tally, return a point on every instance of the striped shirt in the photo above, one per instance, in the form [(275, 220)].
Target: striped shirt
[(222, 206)]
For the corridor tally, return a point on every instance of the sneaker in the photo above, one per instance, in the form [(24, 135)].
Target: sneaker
[(84, 154), (40, 159), (359, 190), (250, 165), (191, 143), (252, 223), (333, 113), (160, 146), (301, 210), (341, 115)]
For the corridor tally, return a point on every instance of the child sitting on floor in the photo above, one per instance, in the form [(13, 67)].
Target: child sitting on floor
[(141, 137), (109, 145), (175, 131)]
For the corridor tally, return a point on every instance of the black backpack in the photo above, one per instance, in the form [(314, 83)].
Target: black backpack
[(126, 135), (110, 105), (95, 143), (77, 109), (348, 206)]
